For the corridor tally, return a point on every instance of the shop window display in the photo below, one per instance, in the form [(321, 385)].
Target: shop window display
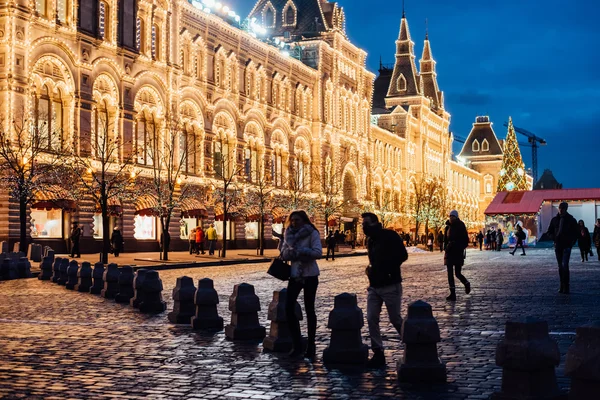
[(185, 227), (144, 227), (278, 228), (230, 229), (46, 223), (98, 226), (251, 230)]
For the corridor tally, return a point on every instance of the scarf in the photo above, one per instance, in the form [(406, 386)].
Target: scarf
[(294, 235)]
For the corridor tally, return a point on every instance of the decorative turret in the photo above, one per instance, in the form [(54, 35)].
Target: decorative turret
[(404, 80), (512, 172), (428, 80)]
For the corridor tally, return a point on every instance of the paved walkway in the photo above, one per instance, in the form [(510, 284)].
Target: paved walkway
[(60, 344), (184, 258)]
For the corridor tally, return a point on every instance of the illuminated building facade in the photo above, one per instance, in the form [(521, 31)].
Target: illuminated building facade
[(284, 90)]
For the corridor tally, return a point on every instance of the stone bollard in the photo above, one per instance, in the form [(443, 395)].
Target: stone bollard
[(346, 346), (34, 253), (528, 357), (72, 271), (8, 270), (45, 269), (111, 281), (139, 294), (84, 281), (4, 245), (421, 334), (63, 277), (24, 268), (152, 287), (125, 285), (183, 294), (98, 279), (279, 338), (583, 363), (206, 300), (244, 305), (56, 269)]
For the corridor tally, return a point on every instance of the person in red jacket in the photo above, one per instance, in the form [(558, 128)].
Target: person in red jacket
[(199, 240)]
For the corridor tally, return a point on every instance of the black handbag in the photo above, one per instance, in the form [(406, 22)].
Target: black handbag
[(280, 269)]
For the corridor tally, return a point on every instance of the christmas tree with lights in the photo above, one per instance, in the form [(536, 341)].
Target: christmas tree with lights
[(512, 173)]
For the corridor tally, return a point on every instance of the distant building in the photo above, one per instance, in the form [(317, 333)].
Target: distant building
[(547, 181)]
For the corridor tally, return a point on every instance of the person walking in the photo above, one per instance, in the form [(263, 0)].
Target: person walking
[(494, 239), (520, 235), (584, 241), (386, 254), (457, 240), (199, 240), (331, 243), (302, 246), (211, 236), (116, 241), (440, 240), (488, 239), (75, 237), (499, 239), (430, 242), (480, 240), (192, 239), (597, 237), (564, 230)]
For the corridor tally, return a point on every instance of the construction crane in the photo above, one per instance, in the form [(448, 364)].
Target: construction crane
[(533, 140)]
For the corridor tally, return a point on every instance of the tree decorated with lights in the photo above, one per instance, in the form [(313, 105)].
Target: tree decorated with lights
[(512, 173)]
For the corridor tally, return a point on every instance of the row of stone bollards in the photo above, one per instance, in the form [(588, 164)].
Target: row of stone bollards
[(528, 357), (142, 290), (14, 266)]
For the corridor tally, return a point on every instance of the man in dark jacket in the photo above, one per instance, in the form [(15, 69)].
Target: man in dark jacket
[(564, 231), (457, 240), (331, 242), (386, 254)]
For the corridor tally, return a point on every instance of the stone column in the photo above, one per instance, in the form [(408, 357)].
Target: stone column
[(64, 265), (528, 357), (46, 269), (345, 321), (84, 282), (24, 268), (111, 281), (152, 286), (72, 271), (56, 269), (244, 305), (125, 285), (98, 277), (138, 283), (420, 334), (583, 363)]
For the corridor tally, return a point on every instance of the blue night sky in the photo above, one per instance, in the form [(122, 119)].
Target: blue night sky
[(535, 61)]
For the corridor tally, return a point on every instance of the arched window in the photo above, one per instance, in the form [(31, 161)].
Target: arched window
[(252, 163), (145, 138), (57, 123), (475, 146), (187, 148), (222, 157), (401, 83), (101, 131), (290, 15), (485, 146)]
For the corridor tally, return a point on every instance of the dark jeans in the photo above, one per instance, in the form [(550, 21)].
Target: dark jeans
[(330, 250), (452, 270), (598, 252), (199, 247), (192, 247), (309, 285), (563, 255), (481, 246), (499, 246), (584, 253), (211, 246), (75, 249), (519, 242)]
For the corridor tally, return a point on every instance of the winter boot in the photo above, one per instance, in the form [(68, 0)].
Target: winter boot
[(452, 296)]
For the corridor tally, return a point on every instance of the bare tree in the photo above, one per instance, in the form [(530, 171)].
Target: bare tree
[(387, 210), (331, 192), (28, 163), (172, 152), (298, 195), (442, 206), (101, 170), (421, 205), (226, 192), (260, 193)]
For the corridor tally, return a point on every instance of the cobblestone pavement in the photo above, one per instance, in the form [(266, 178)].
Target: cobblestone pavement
[(60, 344)]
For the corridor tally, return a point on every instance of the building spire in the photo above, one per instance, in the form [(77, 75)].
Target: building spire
[(429, 85), (404, 80), (426, 30)]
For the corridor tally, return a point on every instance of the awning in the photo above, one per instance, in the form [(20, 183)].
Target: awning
[(114, 207), (146, 205), (530, 201), (279, 214), (193, 208), (232, 214), (54, 197)]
